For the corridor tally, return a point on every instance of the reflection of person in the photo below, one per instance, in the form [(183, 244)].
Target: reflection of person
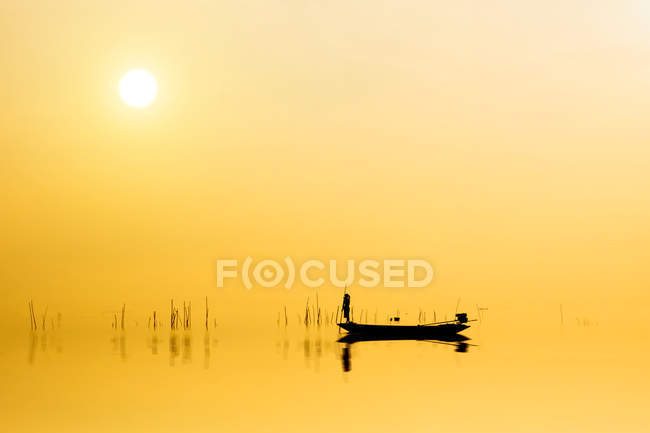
[(346, 307), (345, 357)]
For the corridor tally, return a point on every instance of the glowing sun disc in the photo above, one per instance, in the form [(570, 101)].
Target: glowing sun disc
[(138, 88)]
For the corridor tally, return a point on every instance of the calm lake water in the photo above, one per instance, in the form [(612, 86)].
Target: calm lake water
[(565, 379)]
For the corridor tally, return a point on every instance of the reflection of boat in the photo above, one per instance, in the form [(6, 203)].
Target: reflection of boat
[(355, 338), (457, 341)]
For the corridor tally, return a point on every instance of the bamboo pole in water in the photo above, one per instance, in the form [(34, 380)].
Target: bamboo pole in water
[(44, 317), (30, 304), (34, 317)]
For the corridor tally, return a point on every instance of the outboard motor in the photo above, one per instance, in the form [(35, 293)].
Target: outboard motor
[(462, 318)]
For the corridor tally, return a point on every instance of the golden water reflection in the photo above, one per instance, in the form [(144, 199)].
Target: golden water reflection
[(292, 377)]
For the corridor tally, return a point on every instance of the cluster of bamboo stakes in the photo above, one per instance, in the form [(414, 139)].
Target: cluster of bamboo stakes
[(316, 316), (313, 316), (33, 322), (119, 323), (175, 320), (178, 319)]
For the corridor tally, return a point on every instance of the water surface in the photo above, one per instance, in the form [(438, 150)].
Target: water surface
[(568, 379)]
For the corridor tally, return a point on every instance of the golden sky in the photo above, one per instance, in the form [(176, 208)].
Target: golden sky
[(506, 142)]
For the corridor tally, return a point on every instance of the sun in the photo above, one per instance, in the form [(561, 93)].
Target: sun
[(138, 88)]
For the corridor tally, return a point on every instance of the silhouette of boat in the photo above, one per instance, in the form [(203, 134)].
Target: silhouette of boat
[(431, 331), (437, 330)]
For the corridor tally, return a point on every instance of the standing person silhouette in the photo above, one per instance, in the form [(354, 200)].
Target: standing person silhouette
[(346, 307)]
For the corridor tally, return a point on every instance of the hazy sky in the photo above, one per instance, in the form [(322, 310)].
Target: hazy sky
[(506, 142)]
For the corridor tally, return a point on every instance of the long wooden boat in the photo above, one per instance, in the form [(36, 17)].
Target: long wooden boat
[(432, 330), (374, 336), (417, 331)]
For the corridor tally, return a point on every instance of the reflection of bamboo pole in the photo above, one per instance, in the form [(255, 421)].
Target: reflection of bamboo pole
[(206, 312), (122, 319)]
